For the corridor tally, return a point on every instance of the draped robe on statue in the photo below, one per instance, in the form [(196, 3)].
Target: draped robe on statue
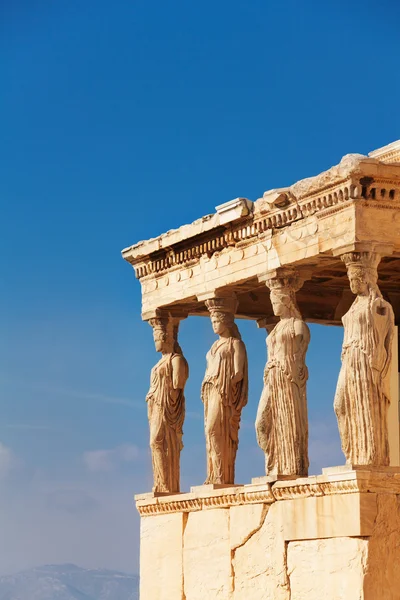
[(361, 401), (281, 425), (223, 403), (166, 416)]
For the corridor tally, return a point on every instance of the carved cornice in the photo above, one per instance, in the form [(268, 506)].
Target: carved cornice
[(379, 193), (389, 153), (348, 482), (221, 500), (297, 491), (266, 496), (342, 487)]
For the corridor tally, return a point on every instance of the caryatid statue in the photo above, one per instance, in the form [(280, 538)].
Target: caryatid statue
[(362, 393), (166, 405), (282, 422), (224, 391)]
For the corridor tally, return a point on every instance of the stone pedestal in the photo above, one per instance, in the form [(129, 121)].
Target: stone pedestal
[(335, 536)]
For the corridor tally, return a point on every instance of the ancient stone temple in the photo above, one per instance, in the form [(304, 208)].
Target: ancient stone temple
[(324, 250)]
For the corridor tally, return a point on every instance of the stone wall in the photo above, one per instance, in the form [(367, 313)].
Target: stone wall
[(333, 537)]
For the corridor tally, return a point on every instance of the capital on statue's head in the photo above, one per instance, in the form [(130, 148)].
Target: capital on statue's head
[(228, 304)]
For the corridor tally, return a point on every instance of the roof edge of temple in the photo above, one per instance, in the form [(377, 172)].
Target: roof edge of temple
[(173, 236), (273, 201), (388, 153)]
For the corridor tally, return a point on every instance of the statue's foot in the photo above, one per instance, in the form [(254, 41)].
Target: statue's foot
[(160, 489), (210, 481)]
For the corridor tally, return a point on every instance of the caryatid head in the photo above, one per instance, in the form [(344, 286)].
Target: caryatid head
[(163, 334), (283, 295), (362, 270), (222, 313)]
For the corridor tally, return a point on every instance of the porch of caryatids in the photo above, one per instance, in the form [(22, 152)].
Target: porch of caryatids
[(224, 390), (363, 391), (282, 421), (166, 403)]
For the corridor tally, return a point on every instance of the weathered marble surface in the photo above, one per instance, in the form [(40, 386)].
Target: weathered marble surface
[(331, 569), (206, 555), (161, 560), (242, 543), (259, 563), (382, 578)]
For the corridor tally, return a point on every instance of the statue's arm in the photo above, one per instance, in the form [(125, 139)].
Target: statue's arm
[(179, 373), (301, 341), (149, 394), (384, 322), (239, 359), (302, 335), (388, 343)]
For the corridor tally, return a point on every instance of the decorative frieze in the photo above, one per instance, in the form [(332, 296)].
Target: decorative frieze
[(298, 490), (344, 482)]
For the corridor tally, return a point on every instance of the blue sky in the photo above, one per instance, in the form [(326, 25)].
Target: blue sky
[(120, 121)]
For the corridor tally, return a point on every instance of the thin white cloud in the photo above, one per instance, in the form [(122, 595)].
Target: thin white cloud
[(28, 427), (99, 398), (78, 394), (108, 460), (8, 460)]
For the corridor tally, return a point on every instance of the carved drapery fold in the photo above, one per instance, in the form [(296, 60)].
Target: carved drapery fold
[(166, 405), (362, 395), (224, 391), (281, 423)]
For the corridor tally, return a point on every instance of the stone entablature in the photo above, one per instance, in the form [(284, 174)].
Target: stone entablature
[(333, 481), (355, 178), (308, 225)]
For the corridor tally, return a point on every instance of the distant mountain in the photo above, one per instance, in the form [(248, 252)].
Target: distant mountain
[(69, 582)]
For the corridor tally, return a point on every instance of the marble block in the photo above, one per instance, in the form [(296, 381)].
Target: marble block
[(333, 537)]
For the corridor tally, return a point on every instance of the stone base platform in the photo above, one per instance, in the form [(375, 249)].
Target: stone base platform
[(335, 536)]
